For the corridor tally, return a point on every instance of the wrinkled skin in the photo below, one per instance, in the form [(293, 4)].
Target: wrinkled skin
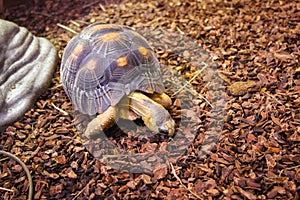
[(150, 108)]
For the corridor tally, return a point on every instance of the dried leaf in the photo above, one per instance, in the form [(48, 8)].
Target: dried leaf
[(55, 189), (271, 163), (146, 179), (283, 56), (246, 194), (161, 172), (275, 120), (61, 159), (295, 137), (70, 173)]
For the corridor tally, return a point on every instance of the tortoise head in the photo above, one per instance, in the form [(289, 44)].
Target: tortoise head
[(160, 121)]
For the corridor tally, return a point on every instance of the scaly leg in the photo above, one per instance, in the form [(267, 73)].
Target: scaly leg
[(102, 122)]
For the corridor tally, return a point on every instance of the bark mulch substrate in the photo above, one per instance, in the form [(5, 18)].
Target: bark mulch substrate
[(256, 46)]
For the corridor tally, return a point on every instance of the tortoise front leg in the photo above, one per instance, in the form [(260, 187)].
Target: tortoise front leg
[(102, 122)]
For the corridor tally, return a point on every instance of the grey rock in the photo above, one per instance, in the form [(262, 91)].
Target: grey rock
[(27, 64)]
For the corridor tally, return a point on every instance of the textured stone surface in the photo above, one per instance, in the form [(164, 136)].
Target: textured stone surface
[(27, 64)]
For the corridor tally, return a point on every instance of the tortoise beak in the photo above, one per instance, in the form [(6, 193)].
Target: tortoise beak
[(168, 127)]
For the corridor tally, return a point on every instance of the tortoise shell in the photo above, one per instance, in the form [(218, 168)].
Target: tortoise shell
[(105, 62)]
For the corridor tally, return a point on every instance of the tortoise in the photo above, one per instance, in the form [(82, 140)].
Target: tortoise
[(110, 71)]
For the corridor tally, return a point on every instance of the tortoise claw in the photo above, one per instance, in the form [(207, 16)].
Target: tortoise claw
[(93, 129)]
